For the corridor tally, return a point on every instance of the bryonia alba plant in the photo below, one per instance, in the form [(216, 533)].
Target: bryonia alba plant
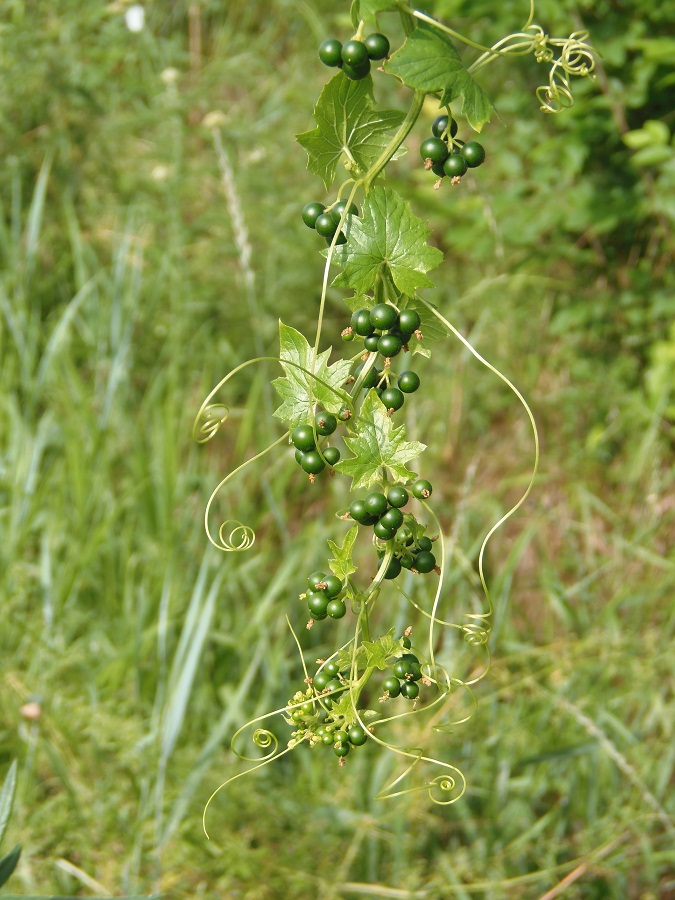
[(344, 417)]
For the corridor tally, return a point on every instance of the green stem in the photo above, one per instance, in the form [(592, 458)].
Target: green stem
[(393, 145)]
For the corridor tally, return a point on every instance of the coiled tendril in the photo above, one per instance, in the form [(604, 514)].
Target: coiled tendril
[(208, 422)]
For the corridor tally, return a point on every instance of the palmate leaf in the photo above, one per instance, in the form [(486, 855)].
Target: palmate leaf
[(375, 442), (347, 124), (387, 239), (294, 386), (379, 651), (342, 564), (428, 61), (369, 9)]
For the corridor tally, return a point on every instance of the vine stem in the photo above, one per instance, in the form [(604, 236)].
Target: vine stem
[(393, 145)]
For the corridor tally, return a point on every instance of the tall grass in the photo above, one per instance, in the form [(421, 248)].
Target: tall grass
[(122, 300)]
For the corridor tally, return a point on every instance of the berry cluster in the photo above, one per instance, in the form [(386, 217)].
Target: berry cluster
[(445, 155), (326, 220), (383, 328), (406, 673), (325, 596), (354, 57), (309, 711), (308, 455)]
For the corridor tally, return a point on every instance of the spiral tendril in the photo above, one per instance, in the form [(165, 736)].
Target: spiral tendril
[(244, 534), (208, 422)]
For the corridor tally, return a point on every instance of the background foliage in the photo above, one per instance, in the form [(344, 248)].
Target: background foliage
[(127, 290)]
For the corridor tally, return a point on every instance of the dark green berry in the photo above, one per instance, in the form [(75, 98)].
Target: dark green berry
[(321, 679), (441, 125), (410, 690), (473, 153), (392, 518), (392, 398), (303, 437), (425, 561), (372, 377), (340, 207), (422, 489), (358, 511), (438, 169), (424, 543), (317, 603), (383, 316), (311, 213), (397, 495), (340, 737), (393, 569), (376, 503), (332, 668), (361, 323), (325, 423), (355, 53), (401, 668), (331, 455), (326, 225), (357, 736), (383, 532), (372, 342), (312, 463), (356, 73), (333, 586), (408, 382), (392, 685), (407, 643), (345, 413), (407, 561), (455, 166), (327, 738), (330, 52), (434, 148), (336, 608), (315, 578), (389, 345), (335, 685), (409, 320), (377, 46), (298, 456), (405, 535), (341, 749)]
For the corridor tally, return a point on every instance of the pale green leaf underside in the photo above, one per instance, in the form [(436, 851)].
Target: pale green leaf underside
[(294, 386), (369, 9), (347, 124), (375, 443), (428, 61), (387, 239)]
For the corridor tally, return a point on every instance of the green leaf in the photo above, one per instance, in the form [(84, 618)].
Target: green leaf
[(387, 241), (375, 443), (369, 9), (347, 124), (344, 658), (7, 798), (379, 651), (428, 61), (8, 863), (342, 565), (293, 387)]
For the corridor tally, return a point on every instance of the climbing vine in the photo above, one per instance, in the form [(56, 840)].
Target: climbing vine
[(343, 417)]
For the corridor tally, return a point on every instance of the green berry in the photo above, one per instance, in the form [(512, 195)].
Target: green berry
[(341, 749), (424, 543), (407, 643), (392, 398), (361, 323), (372, 342), (410, 690), (377, 46), (473, 153), (391, 685), (340, 207), (441, 125), (392, 518), (312, 463), (335, 685), (407, 560), (315, 578), (303, 438), (408, 382), (383, 532), (358, 511), (438, 169), (317, 603), (311, 213), (330, 52), (336, 608), (345, 413), (320, 680), (397, 495), (371, 378), (376, 503), (332, 668), (455, 166), (355, 53), (425, 561), (340, 737), (401, 668), (393, 569), (327, 739), (357, 735), (326, 225), (356, 73), (331, 455), (383, 316), (326, 423), (422, 489), (434, 148), (409, 320), (333, 586), (389, 345), (405, 535)]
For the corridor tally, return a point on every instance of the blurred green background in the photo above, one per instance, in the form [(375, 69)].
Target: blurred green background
[(126, 293)]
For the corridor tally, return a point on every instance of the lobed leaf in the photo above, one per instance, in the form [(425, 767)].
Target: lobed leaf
[(428, 61), (387, 240), (347, 124), (375, 443), (342, 565), (294, 386)]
